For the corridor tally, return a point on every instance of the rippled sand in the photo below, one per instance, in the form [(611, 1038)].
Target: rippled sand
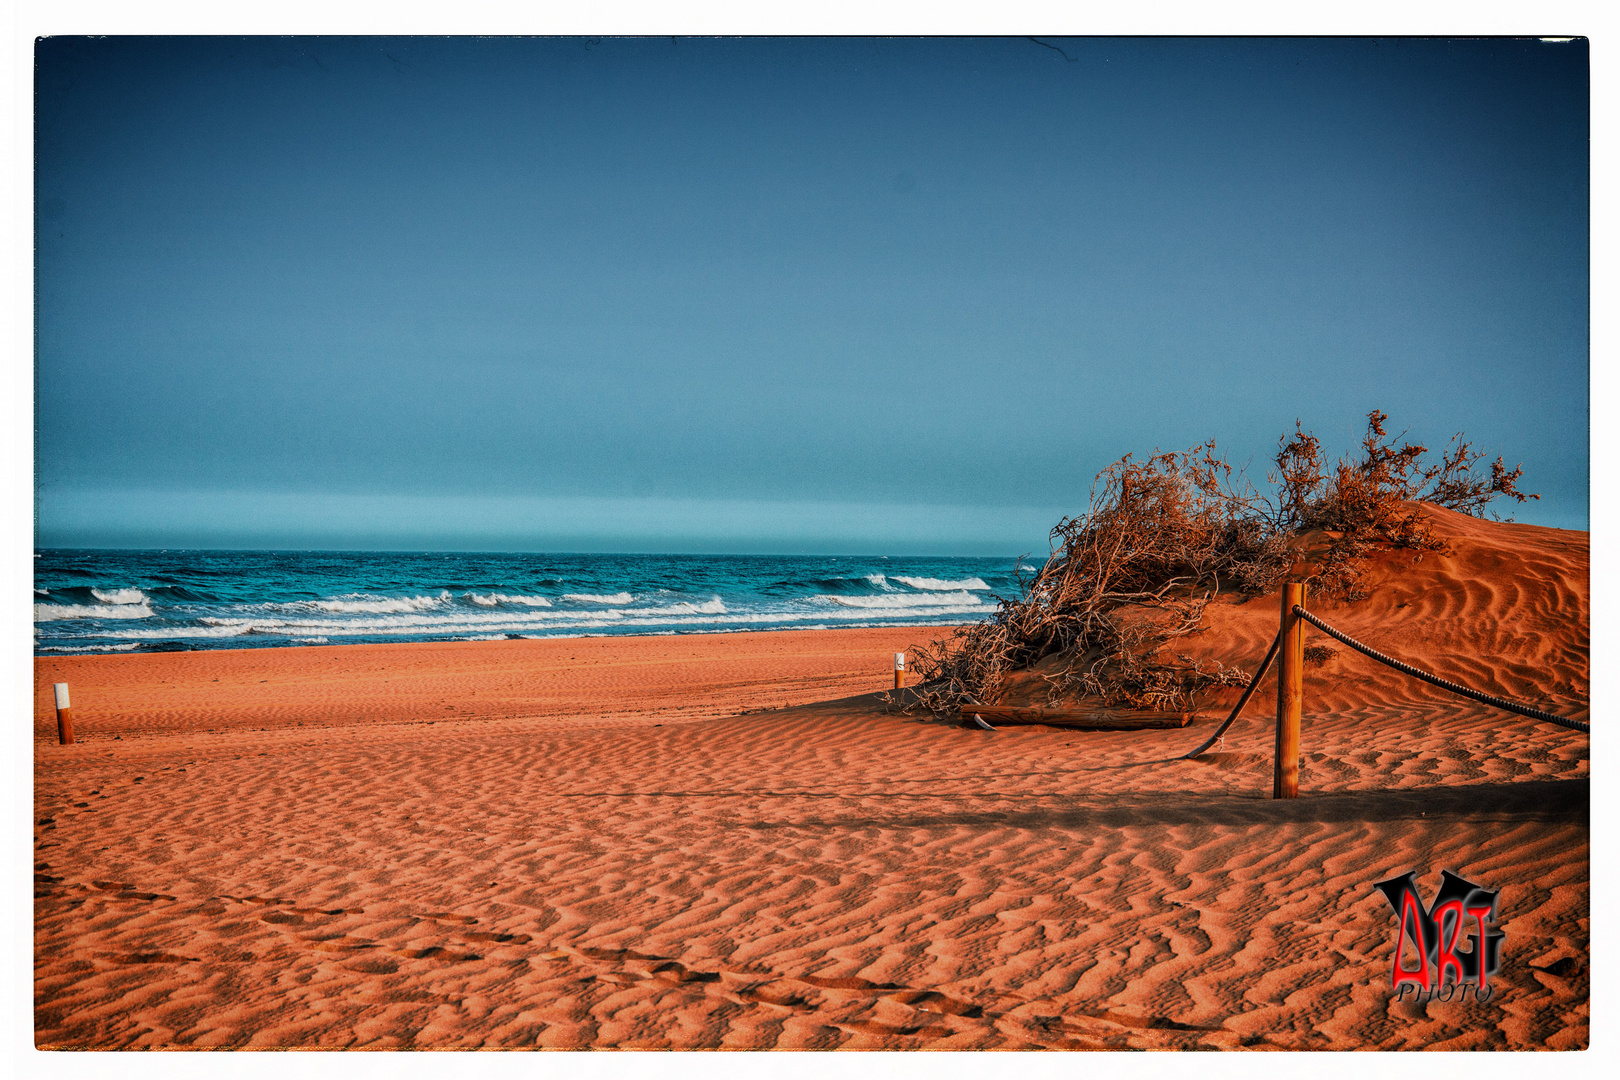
[(589, 843)]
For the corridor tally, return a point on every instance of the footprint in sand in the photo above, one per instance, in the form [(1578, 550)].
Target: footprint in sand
[(780, 992)]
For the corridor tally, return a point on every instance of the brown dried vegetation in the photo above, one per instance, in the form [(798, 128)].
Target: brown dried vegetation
[(1165, 534)]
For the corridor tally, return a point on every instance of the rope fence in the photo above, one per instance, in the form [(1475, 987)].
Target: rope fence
[(1435, 680), (1288, 641), (1265, 665)]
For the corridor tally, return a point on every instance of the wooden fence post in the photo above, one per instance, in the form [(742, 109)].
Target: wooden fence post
[(64, 715), (1290, 693), (899, 670)]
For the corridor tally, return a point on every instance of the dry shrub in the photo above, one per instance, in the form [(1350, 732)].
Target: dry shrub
[(1368, 502), (1164, 534)]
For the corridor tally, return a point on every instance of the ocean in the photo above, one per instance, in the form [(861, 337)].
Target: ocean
[(95, 601)]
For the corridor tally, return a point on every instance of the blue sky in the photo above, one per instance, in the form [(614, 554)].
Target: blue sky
[(779, 295)]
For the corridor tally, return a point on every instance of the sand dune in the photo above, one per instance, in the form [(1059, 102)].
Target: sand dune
[(589, 843)]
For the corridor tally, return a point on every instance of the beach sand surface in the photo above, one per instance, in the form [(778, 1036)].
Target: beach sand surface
[(728, 841)]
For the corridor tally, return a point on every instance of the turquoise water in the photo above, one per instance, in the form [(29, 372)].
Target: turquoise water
[(123, 601)]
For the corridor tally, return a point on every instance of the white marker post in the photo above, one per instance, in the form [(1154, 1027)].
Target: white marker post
[(899, 670), (64, 715)]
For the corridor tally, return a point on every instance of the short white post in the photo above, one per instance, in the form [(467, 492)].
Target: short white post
[(64, 715), (899, 670)]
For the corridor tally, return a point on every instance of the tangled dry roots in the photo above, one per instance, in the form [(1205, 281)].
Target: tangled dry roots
[(1162, 537)]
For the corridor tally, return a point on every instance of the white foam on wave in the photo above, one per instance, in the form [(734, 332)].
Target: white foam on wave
[(914, 600), (403, 623), (88, 648), (119, 596), (713, 606), (362, 603), (882, 582), (496, 599), (891, 610), (54, 612), (937, 585), (592, 598), (226, 628)]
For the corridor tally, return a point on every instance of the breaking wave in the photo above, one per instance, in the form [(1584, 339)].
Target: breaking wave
[(90, 648), (913, 600), (119, 596), (930, 583), (496, 599), (202, 600), (54, 612), (357, 603)]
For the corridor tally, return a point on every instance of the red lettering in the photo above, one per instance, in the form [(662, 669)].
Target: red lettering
[(1447, 945), (1412, 916), (1479, 914)]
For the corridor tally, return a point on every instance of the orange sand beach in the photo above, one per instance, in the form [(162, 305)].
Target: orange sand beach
[(726, 841)]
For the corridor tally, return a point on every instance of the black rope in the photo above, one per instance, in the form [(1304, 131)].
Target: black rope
[(1271, 654), (1444, 684)]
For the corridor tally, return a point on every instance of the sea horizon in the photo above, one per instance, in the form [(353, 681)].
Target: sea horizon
[(114, 600)]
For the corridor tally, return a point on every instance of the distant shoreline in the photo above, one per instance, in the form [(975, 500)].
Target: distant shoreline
[(666, 635), (148, 693)]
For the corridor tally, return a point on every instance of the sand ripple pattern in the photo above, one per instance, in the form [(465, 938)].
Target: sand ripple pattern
[(818, 876)]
